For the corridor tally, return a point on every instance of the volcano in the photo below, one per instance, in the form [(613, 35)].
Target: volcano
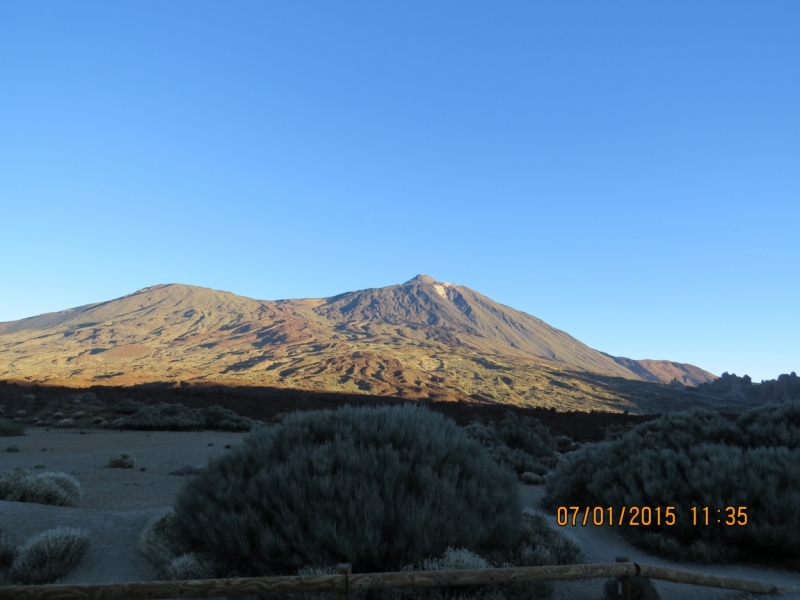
[(422, 339)]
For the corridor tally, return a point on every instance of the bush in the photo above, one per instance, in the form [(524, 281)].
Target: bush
[(58, 489), (49, 555), (8, 550), (529, 478), (129, 407), (376, 487), (10, 428), (176, 417), (190, 566), (66, 423), (161, 541), (536, 544), (458, 559), (698, 459), (123, 460), (523, 445)]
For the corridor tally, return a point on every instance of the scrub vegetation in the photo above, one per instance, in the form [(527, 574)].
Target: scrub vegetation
[(55, 488), (302, 495), (698, 459)]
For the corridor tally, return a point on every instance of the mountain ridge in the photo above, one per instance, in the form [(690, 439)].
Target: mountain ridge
[(422, 338)]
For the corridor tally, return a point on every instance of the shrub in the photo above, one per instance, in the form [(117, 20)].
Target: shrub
[(697, 551), (190, 566), (49, 555), (536, 545), (66, 423), (377, 487), (58, 489), (8, 550), (98, 420), (123, 460), (529, 478), (776, 425), (563, 441), (161, 541), (451, 559), (78, 414), (176, 417), (698, 459), (520, 444), (128, 406), (58, 415), (10, 428)]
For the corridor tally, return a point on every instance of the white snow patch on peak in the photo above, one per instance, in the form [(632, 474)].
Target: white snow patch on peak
[(440, 290)]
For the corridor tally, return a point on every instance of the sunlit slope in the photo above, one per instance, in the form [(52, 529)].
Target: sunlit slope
[(421, 339)]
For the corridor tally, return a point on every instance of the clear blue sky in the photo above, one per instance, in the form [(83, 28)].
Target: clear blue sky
[(627, 171)]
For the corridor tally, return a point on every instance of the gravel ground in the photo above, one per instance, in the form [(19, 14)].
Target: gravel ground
[(118, 502)]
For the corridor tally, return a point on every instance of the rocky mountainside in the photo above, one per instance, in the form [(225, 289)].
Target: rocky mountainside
[(420, 339)]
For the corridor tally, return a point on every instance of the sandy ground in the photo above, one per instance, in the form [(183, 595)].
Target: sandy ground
[(118, 502)]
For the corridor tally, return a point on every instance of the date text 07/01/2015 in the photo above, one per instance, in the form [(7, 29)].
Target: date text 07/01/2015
[(644, 516)]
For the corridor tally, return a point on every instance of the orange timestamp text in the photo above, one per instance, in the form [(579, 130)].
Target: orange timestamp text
[(644, 516)]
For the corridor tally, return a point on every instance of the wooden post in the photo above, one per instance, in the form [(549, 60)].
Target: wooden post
[(624, 582), (344, 569)]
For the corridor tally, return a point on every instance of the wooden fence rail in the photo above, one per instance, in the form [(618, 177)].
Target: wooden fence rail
[(343, 582)]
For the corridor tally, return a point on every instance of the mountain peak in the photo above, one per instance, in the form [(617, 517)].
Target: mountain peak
[(394, 340), (421, 278)]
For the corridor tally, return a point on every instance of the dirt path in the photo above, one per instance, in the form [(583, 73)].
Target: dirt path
[(604, 544), (118, 502)]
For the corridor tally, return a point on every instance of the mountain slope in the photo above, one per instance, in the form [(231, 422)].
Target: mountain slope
[(420, 339), (423, 309)]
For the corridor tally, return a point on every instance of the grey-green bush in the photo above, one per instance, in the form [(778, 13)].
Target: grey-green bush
[(10, 428), (49, 555), (458, 559), (161, 541), (8, 550), (122, 460), (379, 488), (58, 489), (536, 544), (128, 406), (523, 445), (698, 459), (190, 566), (177, 417)]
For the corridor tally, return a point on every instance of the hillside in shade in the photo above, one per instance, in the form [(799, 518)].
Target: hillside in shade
[(420, 339)]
